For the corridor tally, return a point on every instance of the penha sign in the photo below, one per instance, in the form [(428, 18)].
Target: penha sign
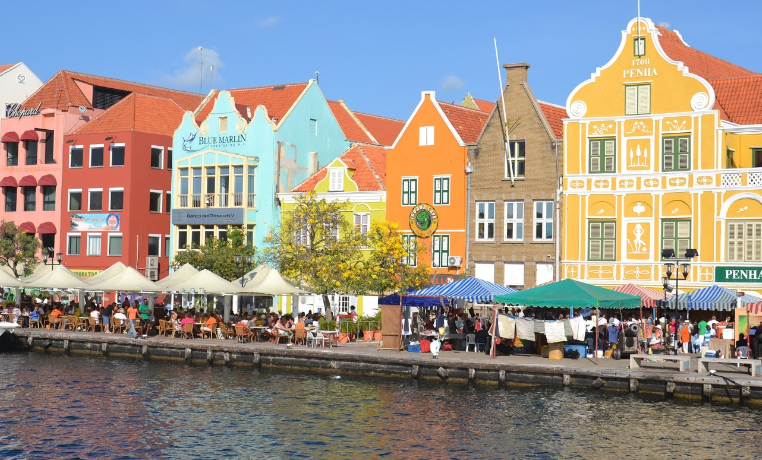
[(738, 274)]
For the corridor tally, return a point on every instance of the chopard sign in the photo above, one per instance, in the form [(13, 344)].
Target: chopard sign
[(15, 111)]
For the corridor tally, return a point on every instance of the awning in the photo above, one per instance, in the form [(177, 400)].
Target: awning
[(28, 181), (10, 136), (30, 135), (27, 227), (8, 181), (46, 228), (47, 179)]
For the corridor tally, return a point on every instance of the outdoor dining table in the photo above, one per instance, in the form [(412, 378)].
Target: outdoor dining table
[(332, 337)]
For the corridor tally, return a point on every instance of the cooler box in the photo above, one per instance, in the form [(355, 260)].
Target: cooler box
[(425, 346), (414, 347), (728, 334), (556, 350), (575, 351)]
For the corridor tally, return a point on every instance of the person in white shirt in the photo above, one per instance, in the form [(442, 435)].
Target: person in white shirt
[(96, 314), (711, 322)]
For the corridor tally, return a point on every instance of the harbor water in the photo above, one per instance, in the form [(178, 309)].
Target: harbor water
[(95, 407)]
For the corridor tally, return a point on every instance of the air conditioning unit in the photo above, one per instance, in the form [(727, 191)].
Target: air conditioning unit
[(152, 274), (152, 262), (454, 261)]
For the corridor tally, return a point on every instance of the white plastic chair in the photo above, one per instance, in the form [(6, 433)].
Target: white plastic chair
[(742, 353), (471, 341)]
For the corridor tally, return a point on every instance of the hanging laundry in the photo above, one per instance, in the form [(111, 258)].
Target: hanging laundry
[(524, 329), (539, 326), (578, 328), (567, 328), (554, 331), (506, 326)]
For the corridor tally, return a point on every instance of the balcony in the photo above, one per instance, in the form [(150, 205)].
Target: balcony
[(741, 179), (215, 200)]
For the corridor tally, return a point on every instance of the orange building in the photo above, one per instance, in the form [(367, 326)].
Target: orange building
[(426, 182)]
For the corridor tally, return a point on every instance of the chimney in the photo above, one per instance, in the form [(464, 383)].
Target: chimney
[(516, 73)]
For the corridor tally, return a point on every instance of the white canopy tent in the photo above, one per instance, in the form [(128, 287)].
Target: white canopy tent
[(59, 278), (265, 280), (206, 282), (108, 273), (8, 280), (178, 276), (129, 280)]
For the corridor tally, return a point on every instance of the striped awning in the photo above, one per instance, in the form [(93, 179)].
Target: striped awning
[(649, 297), (468, 289), (715, 298), (752, 302)]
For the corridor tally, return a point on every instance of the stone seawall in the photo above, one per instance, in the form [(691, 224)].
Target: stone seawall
[(367, 360)]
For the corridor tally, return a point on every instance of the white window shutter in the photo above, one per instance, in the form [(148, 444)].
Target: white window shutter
[(644, 99), (631, 100)]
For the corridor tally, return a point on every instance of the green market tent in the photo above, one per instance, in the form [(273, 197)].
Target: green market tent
[(570, 293)]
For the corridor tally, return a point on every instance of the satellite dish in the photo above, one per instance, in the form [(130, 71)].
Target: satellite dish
[(82, 109)]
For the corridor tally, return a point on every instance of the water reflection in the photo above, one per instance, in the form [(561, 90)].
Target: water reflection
[(79, 407)]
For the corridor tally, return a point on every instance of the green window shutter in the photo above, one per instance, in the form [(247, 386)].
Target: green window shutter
[(445, 190), (437, 190)]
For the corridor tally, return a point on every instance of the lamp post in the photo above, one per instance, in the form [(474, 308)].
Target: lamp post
[(244, 262), (49, 260), (681, 268)]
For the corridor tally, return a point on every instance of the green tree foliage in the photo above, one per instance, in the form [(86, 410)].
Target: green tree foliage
[(18, 250), (218, 256), (387, 269)]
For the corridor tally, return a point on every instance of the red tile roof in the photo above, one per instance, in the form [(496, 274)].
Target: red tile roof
[(467, 122), (137, 112), (384, 130), (698, 62), (555, 115), (277, 99), (352, 128), (368, 162), (5, 67), (739, 99), (484, 106), (63, 91)]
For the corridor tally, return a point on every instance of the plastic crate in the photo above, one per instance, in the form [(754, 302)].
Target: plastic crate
[(579, 351), (414, 347)]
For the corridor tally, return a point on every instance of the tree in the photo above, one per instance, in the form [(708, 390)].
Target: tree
[(387, 269), (18, 250), (316, 247), (216, 255)]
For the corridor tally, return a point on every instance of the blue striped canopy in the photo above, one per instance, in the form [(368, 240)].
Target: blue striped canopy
[(715, 298), (468, 289)]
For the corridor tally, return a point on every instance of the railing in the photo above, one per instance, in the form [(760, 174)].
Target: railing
[(741, 179), (730, 180), (214, 200)]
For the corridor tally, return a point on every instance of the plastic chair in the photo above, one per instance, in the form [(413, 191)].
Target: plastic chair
[(471, 341), (742, 353)]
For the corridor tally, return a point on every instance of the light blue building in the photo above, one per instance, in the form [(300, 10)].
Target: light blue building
[(238, 150)]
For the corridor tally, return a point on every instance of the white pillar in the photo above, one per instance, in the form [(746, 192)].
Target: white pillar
[(236, 307), (226, 308)]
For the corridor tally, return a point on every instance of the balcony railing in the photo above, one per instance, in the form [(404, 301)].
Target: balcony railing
[(214, 200), (741, 179)]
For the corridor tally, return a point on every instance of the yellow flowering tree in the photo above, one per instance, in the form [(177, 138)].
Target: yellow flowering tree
[(218, 255), (315, 246), (387, 268)]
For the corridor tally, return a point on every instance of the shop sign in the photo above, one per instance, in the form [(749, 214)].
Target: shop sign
[(438, 280), (195, 143), (738, 274), (15, 111), (423, 220), (207, 216), (95, 222), (87, 274)]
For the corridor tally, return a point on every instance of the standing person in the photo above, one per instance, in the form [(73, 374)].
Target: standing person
[(106, 317), (132, 314), (758, 342), (685, 335), (145, 318)]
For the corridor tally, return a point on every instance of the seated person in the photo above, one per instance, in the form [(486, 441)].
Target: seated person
[(210, 325), (55, 314), (742, 341), (96, 314)]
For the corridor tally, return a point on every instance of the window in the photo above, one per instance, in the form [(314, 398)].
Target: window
[(30, 198), (639, 46), (744, 242), (409, 192), (410, 243), (72, 244), (485, 221), (154, 245), (313, 126), (93, 245), (11, 195), (96, 156), (117, 154), (513, 274), (756, 158), (182, 238), (75, 200), (115, 245), (31, 152), (676, 153), (155, 201), (637, 99), (426, 135), (48, 240), (336, 180), (75, 156), (169, 159), (157, 156), (440, 250), (602, 241), (676, 235), (514, 221), (442, 190), (166, 246), (95, 200), (13, 153), (602, 156), (362, 222), (223, 124), (168, 202), (48, 198), (49, 147), (543, 220), (116, 199), (516, 158)]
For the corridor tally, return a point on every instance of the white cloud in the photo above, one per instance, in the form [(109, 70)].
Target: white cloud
[(664, 24), (189, 76), (272, 21), (452, 83)]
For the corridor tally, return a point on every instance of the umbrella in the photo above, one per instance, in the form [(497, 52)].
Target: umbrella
[(8, 280), (108, 273), (469, 289), (205, 282), (60, 278), (178, 276), (570, 293), (129, 280), (265, 280)]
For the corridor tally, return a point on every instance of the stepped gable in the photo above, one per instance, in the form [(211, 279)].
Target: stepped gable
[(468, 123), (384, 130), (739, 99), (368, 163), (140, 113), (555, 115), (277, 99), (68, 89), (350, 126)]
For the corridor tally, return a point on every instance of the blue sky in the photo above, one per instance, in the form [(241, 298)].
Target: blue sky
[(377, 56)]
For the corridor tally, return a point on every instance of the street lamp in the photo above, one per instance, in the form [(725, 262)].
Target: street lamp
[(244, 262), (681, 268), (48, 259)]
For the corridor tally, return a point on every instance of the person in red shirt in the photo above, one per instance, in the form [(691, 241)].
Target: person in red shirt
[(55, 314), (210, 324)]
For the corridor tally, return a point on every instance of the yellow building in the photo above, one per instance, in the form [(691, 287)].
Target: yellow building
[(662, 150)]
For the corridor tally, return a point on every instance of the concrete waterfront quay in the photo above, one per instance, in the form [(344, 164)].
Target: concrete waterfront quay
[(729, 384)]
